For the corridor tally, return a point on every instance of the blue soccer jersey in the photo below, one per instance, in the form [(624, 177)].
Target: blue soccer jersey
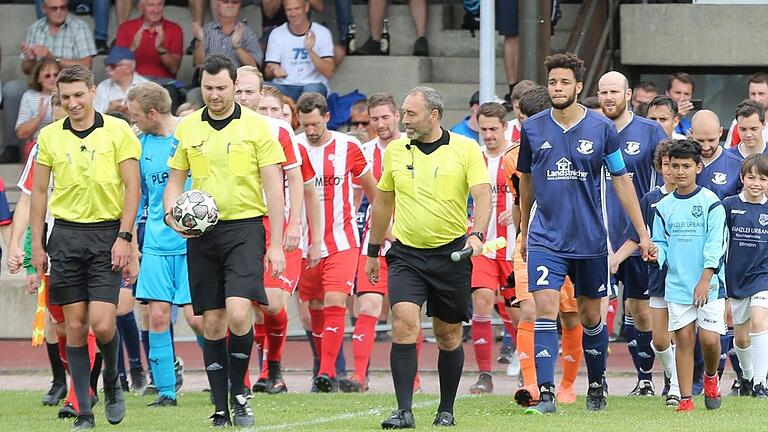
[(648, 204), (690, 233), (746, 267), (159, 239), (735, 151), (722, 175), (566, 170), (638, 140)]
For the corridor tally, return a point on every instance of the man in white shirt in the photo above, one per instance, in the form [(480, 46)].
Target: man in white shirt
[(121, 68), (299, 55)]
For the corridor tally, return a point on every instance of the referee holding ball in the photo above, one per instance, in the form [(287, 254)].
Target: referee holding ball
[(426, 180)]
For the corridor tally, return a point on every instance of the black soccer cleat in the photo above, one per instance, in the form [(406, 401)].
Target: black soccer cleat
[(162, 401), (67, 411), (400, 419), (350, 385), (114, 404), (276, 383), (220, 419), (545, 404), (84, 422), (444, 419), (150, 390), (261, 385), (745, 387), (643, 388), (760, 391), (596, 398), (138, 380), (484, 384), (56, 393), (326, 384), (242, 413)]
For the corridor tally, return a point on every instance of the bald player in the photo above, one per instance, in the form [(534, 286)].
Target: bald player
[(638, 138), (721, 168)]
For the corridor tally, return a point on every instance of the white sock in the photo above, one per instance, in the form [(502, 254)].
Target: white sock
[(760, 359), (667, 360), (745, 361)]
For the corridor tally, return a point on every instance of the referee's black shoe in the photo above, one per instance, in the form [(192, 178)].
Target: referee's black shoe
[(326, 384), (114, 404), (57, 392), (400, 419), (444, 419), (83, 422)]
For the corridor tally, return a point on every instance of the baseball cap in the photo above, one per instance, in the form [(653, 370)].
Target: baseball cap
[(118, 54)]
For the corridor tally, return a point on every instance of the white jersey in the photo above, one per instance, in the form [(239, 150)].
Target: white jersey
[(287, 50), (502, 199), (512, 133), (374, 154)]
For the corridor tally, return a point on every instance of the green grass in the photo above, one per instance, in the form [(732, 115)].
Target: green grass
[(22, 411)]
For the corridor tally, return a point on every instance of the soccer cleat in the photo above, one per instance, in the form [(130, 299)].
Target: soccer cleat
[(67, 411), (667, 384), (220, 419), (673, 400), (138, 380), (114, 404), (712, 392), (261, 385), (162, 401), (242, 415), (484, 384), (760, 391), (596, 398), (326, 384), (505, 354), (444, 419), (56, 393), (527, 395), (566, 395), (124, 384), (643, 388), (735, 388), (150, 390), (686, 405), (513, 368), (276, 383), (745, 387), (178, 368), (400, 419), (83, 422), (351, 385), (545, 405)]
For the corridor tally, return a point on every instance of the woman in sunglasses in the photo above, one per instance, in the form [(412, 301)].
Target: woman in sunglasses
[(35, 109)]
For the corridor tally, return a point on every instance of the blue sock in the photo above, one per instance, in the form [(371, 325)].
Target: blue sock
[(645, 355), (698, 354), (161, 358), (630, 332), (200, 341), (145, 344), (120, 358), (732, 354), (315, 357), (130, 335), (595, 344), (341, 362), (723, 354), (546, 346)]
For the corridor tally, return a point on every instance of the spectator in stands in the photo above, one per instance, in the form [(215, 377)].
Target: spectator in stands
[(290, 114), (680, 87), (360, 125), (228, 35), (157, 43), (377, 10), (644, 92), (35, 109), (507, 26), (512, 132), (757, 90), (57, 35), (299, 53), (468, 127), (121, 68), (99, 9), (196, 10)]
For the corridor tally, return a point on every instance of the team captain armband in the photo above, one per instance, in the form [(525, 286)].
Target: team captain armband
[(615, 163)]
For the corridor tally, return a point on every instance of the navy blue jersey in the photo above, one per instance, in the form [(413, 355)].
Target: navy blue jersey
[(722, 175), (566, 170), (736, 152), (648, 203), (638, 140), (746, 265)]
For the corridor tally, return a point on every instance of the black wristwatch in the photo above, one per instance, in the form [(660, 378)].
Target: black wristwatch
[(125, 235), (479, 235)]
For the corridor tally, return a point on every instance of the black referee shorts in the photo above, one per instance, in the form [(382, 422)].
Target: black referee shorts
[(419, 275), (227, 261), (81, 262)]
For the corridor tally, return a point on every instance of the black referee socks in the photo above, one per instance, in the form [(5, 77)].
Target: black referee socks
[(217, 369), (80, 369), (109, 352), (450, 364), (404, 362), (239, 357)]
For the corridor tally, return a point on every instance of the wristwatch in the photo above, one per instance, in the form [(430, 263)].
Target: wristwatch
[(161, 50), (125, 235), (478, 234)]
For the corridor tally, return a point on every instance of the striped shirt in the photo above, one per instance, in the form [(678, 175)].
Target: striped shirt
[(28, 109), (374, 154), (73, 41), (216, 41), (502, 199)]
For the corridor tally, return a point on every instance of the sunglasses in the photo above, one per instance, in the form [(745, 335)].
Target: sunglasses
[(57, 8), (230, 2), (49, 75), (359, 123)]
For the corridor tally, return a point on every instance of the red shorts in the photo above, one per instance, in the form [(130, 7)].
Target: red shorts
[(490, 273), (364, 285), (334, 273), (290, 277), (57, 313)]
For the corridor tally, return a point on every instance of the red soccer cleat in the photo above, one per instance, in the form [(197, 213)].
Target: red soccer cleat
[(686, 405)]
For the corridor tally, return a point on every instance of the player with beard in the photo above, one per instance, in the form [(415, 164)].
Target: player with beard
[(562, 153), (638, 138)]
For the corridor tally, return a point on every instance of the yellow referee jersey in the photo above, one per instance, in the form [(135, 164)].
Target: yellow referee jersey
[(87, 186), (431, 190), (224, 157)]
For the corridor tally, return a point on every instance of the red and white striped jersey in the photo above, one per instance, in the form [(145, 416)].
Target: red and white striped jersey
[(283, 133), (512, 133), (25, 184), (336, 163), (502, 199), (374, 154)]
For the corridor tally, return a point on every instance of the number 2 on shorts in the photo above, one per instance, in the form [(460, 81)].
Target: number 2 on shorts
[(542, 280)]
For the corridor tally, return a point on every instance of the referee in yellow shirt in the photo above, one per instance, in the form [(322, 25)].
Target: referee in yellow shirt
[(94, 162), (230, 153), (426, 179)]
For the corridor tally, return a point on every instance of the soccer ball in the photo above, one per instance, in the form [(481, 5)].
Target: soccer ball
[(196, 211)]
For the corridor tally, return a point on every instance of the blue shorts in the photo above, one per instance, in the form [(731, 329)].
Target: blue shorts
[(633, 274), (164, 278), (548, 271)]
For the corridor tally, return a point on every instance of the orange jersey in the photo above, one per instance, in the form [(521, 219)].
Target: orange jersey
[(509, 163)]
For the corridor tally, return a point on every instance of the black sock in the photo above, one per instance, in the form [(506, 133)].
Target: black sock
[(57, 367), (315, 358), (110, 351), (450, 364), (96, 372), (404, 363), (239, 358), (80, 370), (217, 369), (121, 373), (145, 345)]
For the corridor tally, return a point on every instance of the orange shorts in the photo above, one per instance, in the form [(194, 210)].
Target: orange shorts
[(334, 273), (567, 293), (56, 312), (490, 273), (365, 286), (289, 280)]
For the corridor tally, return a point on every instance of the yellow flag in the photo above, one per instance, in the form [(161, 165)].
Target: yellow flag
[(38, 326)]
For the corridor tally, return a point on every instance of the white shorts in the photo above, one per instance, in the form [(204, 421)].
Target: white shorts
[(657, 303), (708, 317), (740, 307)]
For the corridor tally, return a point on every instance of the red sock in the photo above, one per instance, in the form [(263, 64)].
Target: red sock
[(275, 326), (613, 306), (417, 379), (508, 324), (362, 344), (333, 337), (482, 341), (63, 352), (317, 321), (92, 352)]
